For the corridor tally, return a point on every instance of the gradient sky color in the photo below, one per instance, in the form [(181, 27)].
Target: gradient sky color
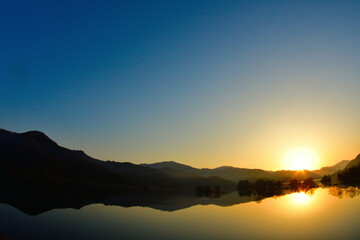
[(205, 83)]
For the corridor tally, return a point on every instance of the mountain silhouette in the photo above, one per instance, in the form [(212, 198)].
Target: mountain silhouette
[(34, 155), (235, 174), (349, 176), (353, 163), (332, 169), (169, 165), (37, 175)]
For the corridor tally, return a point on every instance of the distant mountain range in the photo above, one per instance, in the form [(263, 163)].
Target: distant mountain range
[(353, 163), (349, 176), (36, 175), (235, 174), (330, 170), (35, 154), (169, 165)]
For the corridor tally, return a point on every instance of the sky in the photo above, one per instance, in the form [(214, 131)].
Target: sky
[(204, 83)]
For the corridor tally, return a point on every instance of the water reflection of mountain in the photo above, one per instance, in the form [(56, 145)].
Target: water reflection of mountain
[(38, 175), (37, 202), (175, 202), (34, 199)]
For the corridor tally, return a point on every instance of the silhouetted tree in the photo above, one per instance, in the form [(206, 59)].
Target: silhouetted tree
[(305, 185), (244, 184), (350, 176), (294, 185), (245, 188), (208, 191), (260, 186), (308, 184), (326, 180)]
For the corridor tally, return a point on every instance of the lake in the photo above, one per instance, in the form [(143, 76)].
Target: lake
[(325, 213)]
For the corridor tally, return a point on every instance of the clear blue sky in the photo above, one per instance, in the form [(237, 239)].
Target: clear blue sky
[(206, 83)]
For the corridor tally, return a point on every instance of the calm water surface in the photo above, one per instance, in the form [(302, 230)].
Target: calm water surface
[(324, 214)]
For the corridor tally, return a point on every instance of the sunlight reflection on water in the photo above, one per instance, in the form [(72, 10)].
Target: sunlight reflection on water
[(300, 198), (301, 215)]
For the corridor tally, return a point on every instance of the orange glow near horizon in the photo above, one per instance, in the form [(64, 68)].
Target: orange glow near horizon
[(300, 159)]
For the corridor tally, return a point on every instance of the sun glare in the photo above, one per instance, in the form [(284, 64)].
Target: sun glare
[(300, 159), (300, 198)]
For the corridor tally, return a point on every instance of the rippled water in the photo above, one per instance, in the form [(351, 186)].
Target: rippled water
[(329, 213)]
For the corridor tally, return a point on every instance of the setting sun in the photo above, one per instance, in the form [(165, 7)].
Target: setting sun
[(300, 159)]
